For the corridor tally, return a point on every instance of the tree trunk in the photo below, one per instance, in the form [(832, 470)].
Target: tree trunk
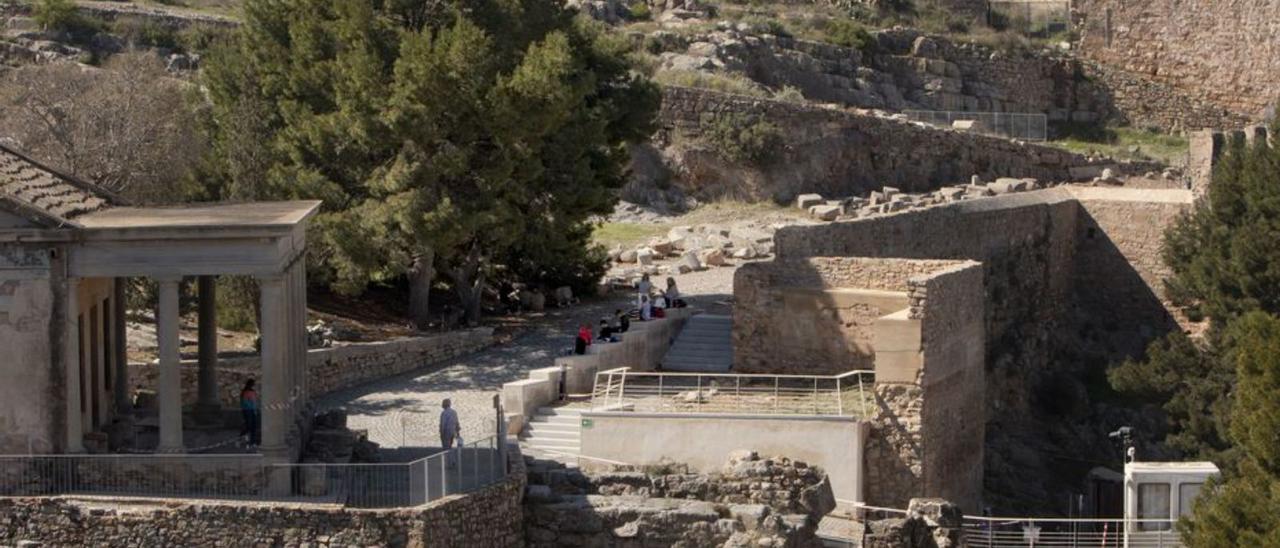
[(468, 282), (421, 275)]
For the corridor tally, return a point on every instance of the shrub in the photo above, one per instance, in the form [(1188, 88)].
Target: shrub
[(743, 138), (850, 34), (62, 15), (639, 11), (727, 83), (789, 94)]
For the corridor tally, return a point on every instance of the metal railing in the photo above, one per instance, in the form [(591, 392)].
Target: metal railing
[(1004, 532), (983, 532), (1011, 125), (622, 389), (250, 477), (1041, 18)]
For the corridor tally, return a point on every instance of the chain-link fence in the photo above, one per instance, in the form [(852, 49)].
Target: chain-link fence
[(1011, 125), (1041, 18)]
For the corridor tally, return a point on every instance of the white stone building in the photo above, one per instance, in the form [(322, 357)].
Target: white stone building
[(67, 249)]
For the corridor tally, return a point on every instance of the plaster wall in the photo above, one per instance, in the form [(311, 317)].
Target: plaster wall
[(31, 394), (704, 442)]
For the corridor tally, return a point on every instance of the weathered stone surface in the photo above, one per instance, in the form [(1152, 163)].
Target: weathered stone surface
[(826, 212), (806, 201)]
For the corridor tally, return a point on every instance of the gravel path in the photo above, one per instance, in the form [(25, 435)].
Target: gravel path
[(403, 411)]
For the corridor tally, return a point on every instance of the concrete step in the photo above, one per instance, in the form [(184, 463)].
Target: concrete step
[(553, 428), (568, 447), (539, 436), (556, 419), (560, 411)]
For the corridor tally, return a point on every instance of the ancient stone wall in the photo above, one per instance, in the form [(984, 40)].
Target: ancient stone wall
[(1220, 52), (815, 316), (839, 153), (490, 517), (331, 369), (31, 297), (1057, 263), (752, 501), (1143, 101)]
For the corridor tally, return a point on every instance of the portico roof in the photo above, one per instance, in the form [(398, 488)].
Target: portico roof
[(213, 220)]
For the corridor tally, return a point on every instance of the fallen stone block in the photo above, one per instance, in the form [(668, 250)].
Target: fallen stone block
[(712, 256), (806, 201), (826, 212)]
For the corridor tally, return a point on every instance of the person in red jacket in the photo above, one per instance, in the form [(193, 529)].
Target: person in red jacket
[(583, 340)]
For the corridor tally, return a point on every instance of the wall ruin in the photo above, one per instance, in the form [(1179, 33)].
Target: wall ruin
[(1052, 261), (1219, 52)]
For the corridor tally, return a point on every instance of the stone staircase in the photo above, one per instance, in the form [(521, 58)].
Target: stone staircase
[(705, 345), (554, 432)]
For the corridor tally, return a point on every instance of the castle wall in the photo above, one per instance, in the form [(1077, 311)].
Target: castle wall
[(1222, 52)]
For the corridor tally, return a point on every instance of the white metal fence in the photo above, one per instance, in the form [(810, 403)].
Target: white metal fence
[(1011, 125), (1014, 532), (1042, 18), (622, 389), (249, 477), (1075, 533)]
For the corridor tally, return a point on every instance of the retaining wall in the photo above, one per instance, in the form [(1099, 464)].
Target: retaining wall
[(330, 369), (489, 517), (642, 348)]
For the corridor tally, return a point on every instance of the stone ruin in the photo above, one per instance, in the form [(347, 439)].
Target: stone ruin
[(753, 501)]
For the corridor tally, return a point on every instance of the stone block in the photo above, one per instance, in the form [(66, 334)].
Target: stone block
[(806, 201), (896, 332), (826, 212), (898, 367)]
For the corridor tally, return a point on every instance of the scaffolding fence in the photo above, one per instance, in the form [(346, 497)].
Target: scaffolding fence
[(1010, 125)]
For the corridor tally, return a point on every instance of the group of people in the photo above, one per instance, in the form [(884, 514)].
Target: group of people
[(649, 305)]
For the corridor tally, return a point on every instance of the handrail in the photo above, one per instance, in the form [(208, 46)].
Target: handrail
[(728, 393)]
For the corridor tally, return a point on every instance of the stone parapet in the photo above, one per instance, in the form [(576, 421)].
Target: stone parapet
[(330, 369)]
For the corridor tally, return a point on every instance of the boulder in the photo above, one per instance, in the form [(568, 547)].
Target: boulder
[(628, 256), (745, 252), (806, 201), (826, 212), (644, 256), (689, 262), (662, 247), (712, 256)]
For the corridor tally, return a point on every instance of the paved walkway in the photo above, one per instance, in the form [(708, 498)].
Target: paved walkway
[(404, 411)]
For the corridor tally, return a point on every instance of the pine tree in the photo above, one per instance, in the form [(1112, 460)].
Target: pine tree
[(1242, 510), (442, 137), (1225, 258)]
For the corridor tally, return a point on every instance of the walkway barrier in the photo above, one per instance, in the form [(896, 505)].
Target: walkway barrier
[(1022, 532), (623, 389), (984, 532), (250, 478), (1011, 125)]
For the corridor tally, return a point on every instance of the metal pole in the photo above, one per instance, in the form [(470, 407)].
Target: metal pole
[(839, 397), (697, 400), (661, 402), (444, 473), (775, 395)]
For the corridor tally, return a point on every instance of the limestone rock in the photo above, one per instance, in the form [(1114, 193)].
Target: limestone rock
[(826, 212), (689, 262), (628, 256), (712, 256), (806, 201), (644, 256)]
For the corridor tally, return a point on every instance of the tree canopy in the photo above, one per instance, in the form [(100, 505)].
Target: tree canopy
[(442, 137)]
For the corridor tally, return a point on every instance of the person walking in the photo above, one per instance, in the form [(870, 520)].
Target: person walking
[(251, 412), (643, 290), (450, 429)]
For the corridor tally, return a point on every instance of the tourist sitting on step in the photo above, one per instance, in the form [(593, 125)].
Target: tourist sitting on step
[(672, 295), (583, 339), (623, 321), (606, 332)]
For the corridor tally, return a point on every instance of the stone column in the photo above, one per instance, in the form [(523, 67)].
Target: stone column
[(274, 332), (71, 360), (169, 391), (208, 407), (119, 344)]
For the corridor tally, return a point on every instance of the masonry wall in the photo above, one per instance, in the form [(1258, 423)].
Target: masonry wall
[(490, 517), (330, 369), (840, 153), (1221, 52), (30, 314), (1119, 268), (815, 316), (953, 417)]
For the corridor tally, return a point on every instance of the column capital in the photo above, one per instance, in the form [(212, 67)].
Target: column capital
[(167, 278), (274, 278)]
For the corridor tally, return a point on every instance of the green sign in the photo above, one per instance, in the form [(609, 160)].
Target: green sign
[(586, 423)]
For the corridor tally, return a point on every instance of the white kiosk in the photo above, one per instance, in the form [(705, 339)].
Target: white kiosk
[(1156, 495)]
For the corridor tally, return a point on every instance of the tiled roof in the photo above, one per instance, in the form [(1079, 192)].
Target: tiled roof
[(51, 197)]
